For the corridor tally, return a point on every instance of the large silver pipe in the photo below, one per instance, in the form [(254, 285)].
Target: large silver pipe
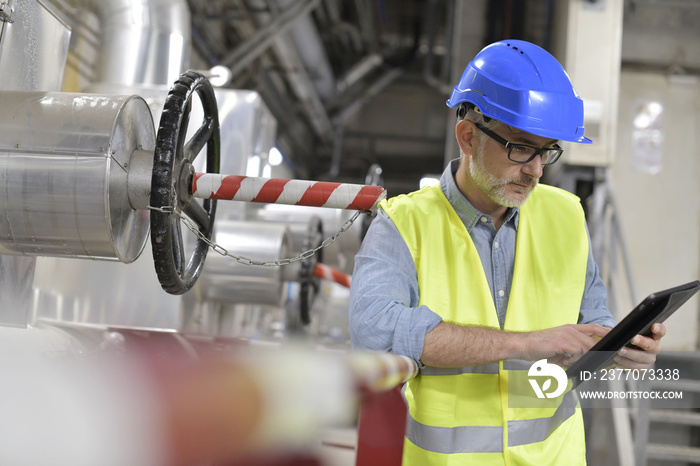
[(144, 42), (226, 281), (64, 161), (33, 50)]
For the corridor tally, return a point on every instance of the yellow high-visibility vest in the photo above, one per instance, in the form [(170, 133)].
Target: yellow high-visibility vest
[(462, 415)]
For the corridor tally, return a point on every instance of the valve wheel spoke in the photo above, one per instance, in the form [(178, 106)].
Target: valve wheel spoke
[(194, 146), (198, 214)]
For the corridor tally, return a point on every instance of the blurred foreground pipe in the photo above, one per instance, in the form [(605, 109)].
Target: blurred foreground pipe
[(156, 399), (382, 422), (380, 372)]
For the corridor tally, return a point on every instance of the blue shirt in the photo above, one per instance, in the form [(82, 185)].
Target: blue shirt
[(384, 311)]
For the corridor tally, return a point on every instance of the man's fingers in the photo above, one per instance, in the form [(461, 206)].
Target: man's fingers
[(658, 331), (635, 359), (644, 343), (593, 330), (629, 363), (581, 339)]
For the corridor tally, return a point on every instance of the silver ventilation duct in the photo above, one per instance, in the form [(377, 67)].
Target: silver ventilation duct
[(33, 48), (144, 42), (144, 46)]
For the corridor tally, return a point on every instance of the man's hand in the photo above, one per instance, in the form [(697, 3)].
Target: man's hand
[(560, 345), (643, 355), (452, 345)]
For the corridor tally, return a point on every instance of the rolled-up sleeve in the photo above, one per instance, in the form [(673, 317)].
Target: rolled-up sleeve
[(384, 296)]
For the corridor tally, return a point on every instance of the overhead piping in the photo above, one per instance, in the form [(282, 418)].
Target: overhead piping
[(309, 44), (294, 19), (258, 42), (339, 120)]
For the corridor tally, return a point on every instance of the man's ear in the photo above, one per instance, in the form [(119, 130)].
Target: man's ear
[(466, 137)]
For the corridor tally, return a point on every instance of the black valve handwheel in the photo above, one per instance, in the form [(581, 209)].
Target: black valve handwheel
[(308, 282), (171, 184)]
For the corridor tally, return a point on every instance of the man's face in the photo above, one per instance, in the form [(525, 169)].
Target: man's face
[(505, 182)]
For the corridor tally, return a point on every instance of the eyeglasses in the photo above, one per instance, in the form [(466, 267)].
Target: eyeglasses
[(522, 153)]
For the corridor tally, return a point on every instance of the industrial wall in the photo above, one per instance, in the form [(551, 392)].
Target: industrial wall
[(657, 184)]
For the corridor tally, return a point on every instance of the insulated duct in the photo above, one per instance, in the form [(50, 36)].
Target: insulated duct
[(226, 281), (64, 161), (33, 49), (143, 46), (144, 42)]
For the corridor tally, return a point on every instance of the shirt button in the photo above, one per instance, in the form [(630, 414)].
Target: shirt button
[(501, 293), (484, 219), (495, 244)]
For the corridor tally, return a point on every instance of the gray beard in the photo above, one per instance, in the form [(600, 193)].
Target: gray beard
[(496, 188)]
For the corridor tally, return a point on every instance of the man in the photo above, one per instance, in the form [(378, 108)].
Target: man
[(487, 267)]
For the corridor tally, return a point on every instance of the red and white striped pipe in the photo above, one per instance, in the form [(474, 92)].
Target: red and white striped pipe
[(382, 371), (328, 273), (282, 191)]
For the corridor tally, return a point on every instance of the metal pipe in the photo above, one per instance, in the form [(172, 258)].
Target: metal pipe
[(16, 288), (359, 71), (227, 281), (374, 89), (144, 42), (339, 120), (64, 160), (261, 40), (309, 45), (33, 53), (293, 19)]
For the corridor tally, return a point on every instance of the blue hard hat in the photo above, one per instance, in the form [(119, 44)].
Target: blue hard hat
[(523, 86)]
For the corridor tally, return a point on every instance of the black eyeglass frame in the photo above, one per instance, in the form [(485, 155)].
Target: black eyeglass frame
[(510, 145)]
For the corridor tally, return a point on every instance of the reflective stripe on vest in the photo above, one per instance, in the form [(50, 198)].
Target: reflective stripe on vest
[(485, 369), (537, 430), (488, 439), (508, 364)]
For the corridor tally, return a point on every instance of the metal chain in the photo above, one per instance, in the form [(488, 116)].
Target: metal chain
[(192, 226)]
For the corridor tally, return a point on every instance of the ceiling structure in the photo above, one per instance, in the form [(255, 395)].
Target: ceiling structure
[(355, 83)]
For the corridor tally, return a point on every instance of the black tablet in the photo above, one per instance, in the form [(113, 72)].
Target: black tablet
[(656, 307)]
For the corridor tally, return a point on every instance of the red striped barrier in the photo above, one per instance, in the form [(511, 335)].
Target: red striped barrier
[(380, 372), (291, 192), (328, 273)]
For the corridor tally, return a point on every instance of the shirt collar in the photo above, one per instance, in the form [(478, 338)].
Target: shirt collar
[(466, 211)]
